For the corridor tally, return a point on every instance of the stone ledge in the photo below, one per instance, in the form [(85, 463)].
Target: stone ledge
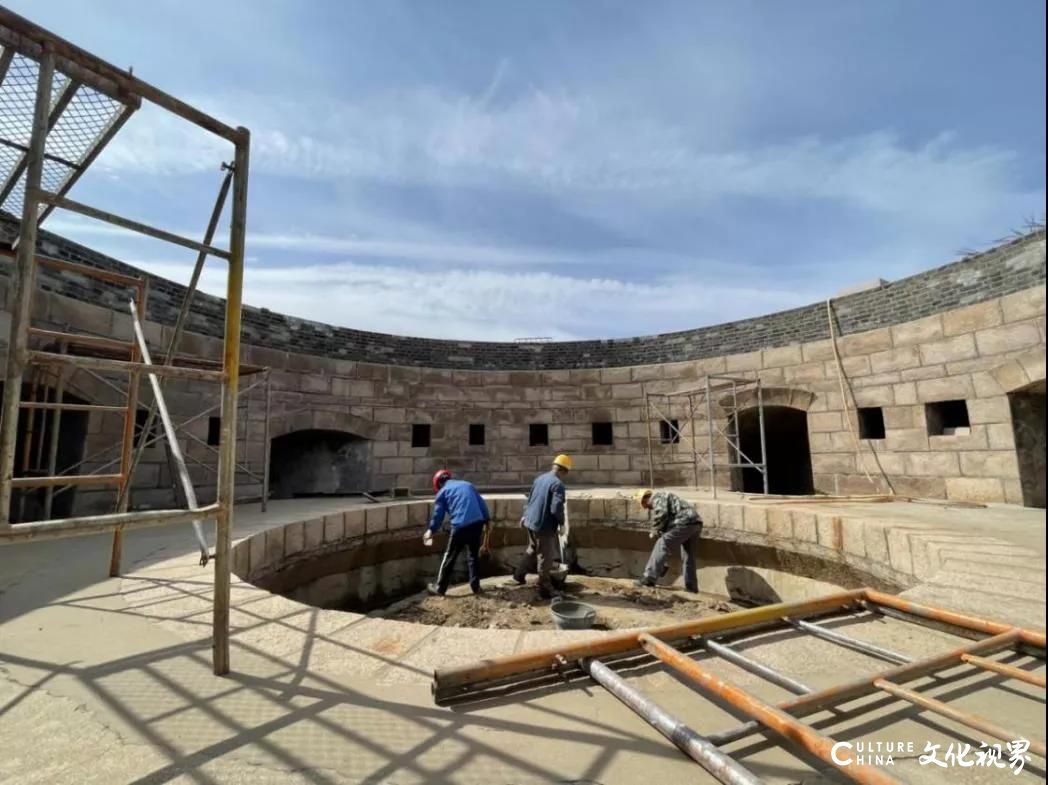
[(894, 552)]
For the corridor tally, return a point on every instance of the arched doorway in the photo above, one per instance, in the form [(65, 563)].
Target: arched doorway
[(788, 453), (1027, 405), (317, 462)]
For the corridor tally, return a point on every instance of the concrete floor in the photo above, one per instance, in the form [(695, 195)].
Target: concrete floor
[(109, 680)]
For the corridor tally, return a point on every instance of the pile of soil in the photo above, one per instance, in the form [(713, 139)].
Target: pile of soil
[(505, 605)]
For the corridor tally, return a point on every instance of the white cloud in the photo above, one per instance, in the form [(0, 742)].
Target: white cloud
[(487, 305), (435, 250), (308, 243), (566, 143), (618, 169)]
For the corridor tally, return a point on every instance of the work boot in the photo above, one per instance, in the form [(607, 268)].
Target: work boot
[(520, 580), (644, 583), (434, 590)]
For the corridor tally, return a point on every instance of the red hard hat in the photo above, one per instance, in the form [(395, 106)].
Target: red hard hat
[(440, 478)]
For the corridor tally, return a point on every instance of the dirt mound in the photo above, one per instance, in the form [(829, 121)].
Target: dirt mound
[(505, 605)]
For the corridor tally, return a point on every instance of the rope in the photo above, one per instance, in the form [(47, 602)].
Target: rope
[(844, 402)]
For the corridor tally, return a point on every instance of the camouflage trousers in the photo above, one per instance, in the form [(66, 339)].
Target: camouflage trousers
[(687, 539)]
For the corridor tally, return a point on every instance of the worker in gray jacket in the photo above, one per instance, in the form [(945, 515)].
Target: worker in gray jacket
[(543, 516), (677, 525)]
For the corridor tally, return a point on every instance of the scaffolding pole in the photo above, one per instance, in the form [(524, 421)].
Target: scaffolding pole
[(183, 313), (174, 448), (81, 70), (52, 448), (500, 675), (771, 717), (152, 440), (722, 419), (227, 444), (265, 439), (18, 343), (127, 446), (720, 765)]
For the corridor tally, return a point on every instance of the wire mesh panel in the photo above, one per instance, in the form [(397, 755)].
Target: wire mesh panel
[(10, 155), (78, 121), (18, 97)]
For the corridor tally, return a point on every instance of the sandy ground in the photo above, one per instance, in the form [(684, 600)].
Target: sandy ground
[(505, 605)]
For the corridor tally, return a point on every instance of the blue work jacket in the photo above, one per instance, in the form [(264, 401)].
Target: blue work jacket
[(460, 501), (545, 508)]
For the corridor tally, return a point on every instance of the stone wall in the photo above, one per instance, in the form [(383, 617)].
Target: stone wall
[(1009, 268), (351, 557), (977, 353)]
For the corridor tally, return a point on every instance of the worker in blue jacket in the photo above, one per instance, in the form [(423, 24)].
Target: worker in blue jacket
[(543, 516), (460, 501)]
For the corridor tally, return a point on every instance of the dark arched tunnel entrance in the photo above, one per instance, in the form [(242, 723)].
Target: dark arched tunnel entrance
[(788, 452), (1028, 408), (319, 463)]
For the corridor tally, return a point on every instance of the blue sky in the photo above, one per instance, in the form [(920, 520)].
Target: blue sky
[(493, 170)]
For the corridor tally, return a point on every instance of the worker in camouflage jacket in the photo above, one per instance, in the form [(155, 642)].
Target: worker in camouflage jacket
[(677, 525)]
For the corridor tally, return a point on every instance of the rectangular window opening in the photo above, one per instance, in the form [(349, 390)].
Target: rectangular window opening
[(947, 418), (871, 422), (476, 434), (420, 435), (669, 431), (214, 431), (538, 434), (141, 415), (603, 434)]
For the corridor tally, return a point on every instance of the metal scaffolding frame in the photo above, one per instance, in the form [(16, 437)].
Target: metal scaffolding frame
[(498, 676), (700, 400), (59, 107), (31, 473), (34, 474)]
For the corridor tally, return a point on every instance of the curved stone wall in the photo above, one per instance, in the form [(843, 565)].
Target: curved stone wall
[(982, 343), (368, 555), (1009, 268)]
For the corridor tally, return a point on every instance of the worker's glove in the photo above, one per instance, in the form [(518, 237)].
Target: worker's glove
[(427, 538), (522, 519), (652, 535)]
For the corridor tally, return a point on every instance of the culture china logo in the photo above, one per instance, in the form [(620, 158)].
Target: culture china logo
[(1012, 755)]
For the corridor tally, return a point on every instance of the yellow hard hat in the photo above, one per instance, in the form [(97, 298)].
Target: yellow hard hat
[(641, 495), (563, 461)]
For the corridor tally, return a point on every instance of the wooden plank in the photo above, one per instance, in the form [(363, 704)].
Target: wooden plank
[(123, 366), (69, 407), (66, 479)]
